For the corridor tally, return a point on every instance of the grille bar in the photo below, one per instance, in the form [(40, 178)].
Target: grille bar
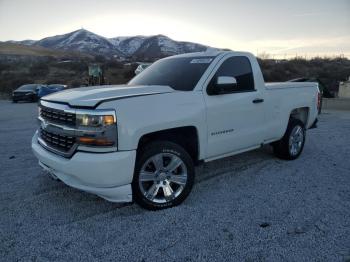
[(57, 116), (60, 142)]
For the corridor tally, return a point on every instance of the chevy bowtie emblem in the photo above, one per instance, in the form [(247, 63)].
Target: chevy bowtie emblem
[(44, 125)]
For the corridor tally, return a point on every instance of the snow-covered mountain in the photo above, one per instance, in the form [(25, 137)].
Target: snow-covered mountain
[(80, 40), (160, 45), (137, 47), (128, 45)]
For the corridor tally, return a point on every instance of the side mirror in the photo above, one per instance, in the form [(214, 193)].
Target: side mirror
[(224, 85), (226, 81)]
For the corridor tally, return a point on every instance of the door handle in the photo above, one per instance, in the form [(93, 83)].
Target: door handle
[(258, 100)]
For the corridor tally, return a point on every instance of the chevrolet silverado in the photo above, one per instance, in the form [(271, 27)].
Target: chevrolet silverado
[(141, 141)]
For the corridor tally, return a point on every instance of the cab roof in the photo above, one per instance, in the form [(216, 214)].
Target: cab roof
[(212, 53)]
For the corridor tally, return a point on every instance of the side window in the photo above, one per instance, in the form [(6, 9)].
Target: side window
[(240, 68)]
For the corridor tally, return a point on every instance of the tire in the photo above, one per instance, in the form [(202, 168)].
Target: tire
[(283, 149), (157, 184), (14, 101)]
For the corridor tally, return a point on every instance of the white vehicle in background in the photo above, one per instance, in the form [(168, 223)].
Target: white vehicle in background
[(141, 141), (141, 67)]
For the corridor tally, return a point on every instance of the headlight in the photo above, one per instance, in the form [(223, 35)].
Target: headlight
[(95, 120), (96, 128)]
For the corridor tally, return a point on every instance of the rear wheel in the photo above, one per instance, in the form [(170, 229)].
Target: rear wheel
[(164, 175), (292, 143)]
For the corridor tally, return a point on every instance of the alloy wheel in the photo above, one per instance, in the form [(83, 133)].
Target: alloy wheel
[(162, 177)]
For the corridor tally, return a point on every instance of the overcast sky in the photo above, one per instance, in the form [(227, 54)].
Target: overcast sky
[(278, 27)]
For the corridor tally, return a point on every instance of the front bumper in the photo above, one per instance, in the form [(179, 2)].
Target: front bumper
[(108, 175), (20, 97)]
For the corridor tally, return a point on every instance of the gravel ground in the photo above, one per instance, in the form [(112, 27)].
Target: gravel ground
[(250, 207)]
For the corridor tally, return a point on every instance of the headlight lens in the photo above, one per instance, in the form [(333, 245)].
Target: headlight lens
[(95, 120), (98, 128)]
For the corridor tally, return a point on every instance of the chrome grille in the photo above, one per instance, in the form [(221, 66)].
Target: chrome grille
[(60, 142), (57, 116), (59, 132)]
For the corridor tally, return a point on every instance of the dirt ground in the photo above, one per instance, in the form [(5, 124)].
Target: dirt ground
[(249, 207)]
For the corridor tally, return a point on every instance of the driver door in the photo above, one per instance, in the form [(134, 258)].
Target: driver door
[(235, 117)]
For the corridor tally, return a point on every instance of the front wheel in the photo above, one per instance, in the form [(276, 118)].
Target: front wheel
[(164, 176), (292, 143)]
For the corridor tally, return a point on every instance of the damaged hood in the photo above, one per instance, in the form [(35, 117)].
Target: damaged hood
[(94, 95)]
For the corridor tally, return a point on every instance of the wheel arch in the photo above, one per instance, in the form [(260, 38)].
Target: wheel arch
[(301, 113), (186, 136)]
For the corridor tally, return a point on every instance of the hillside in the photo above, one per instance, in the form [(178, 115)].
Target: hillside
[(14, 49), (328, 70), (74, 72), (44, 66)]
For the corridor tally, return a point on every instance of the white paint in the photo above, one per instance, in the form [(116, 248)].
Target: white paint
[(226, 124)]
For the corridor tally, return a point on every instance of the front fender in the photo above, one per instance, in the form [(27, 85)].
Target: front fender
[(139, 116)]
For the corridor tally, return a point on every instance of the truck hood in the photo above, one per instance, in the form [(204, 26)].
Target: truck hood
[(95, 95)]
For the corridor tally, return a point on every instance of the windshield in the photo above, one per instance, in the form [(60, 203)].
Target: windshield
[(28, 88), (180, 73)]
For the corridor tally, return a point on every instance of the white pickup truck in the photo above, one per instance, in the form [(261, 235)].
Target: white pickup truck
[(141, 141)]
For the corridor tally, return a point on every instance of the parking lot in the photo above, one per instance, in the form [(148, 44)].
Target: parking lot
[(249, 207)]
